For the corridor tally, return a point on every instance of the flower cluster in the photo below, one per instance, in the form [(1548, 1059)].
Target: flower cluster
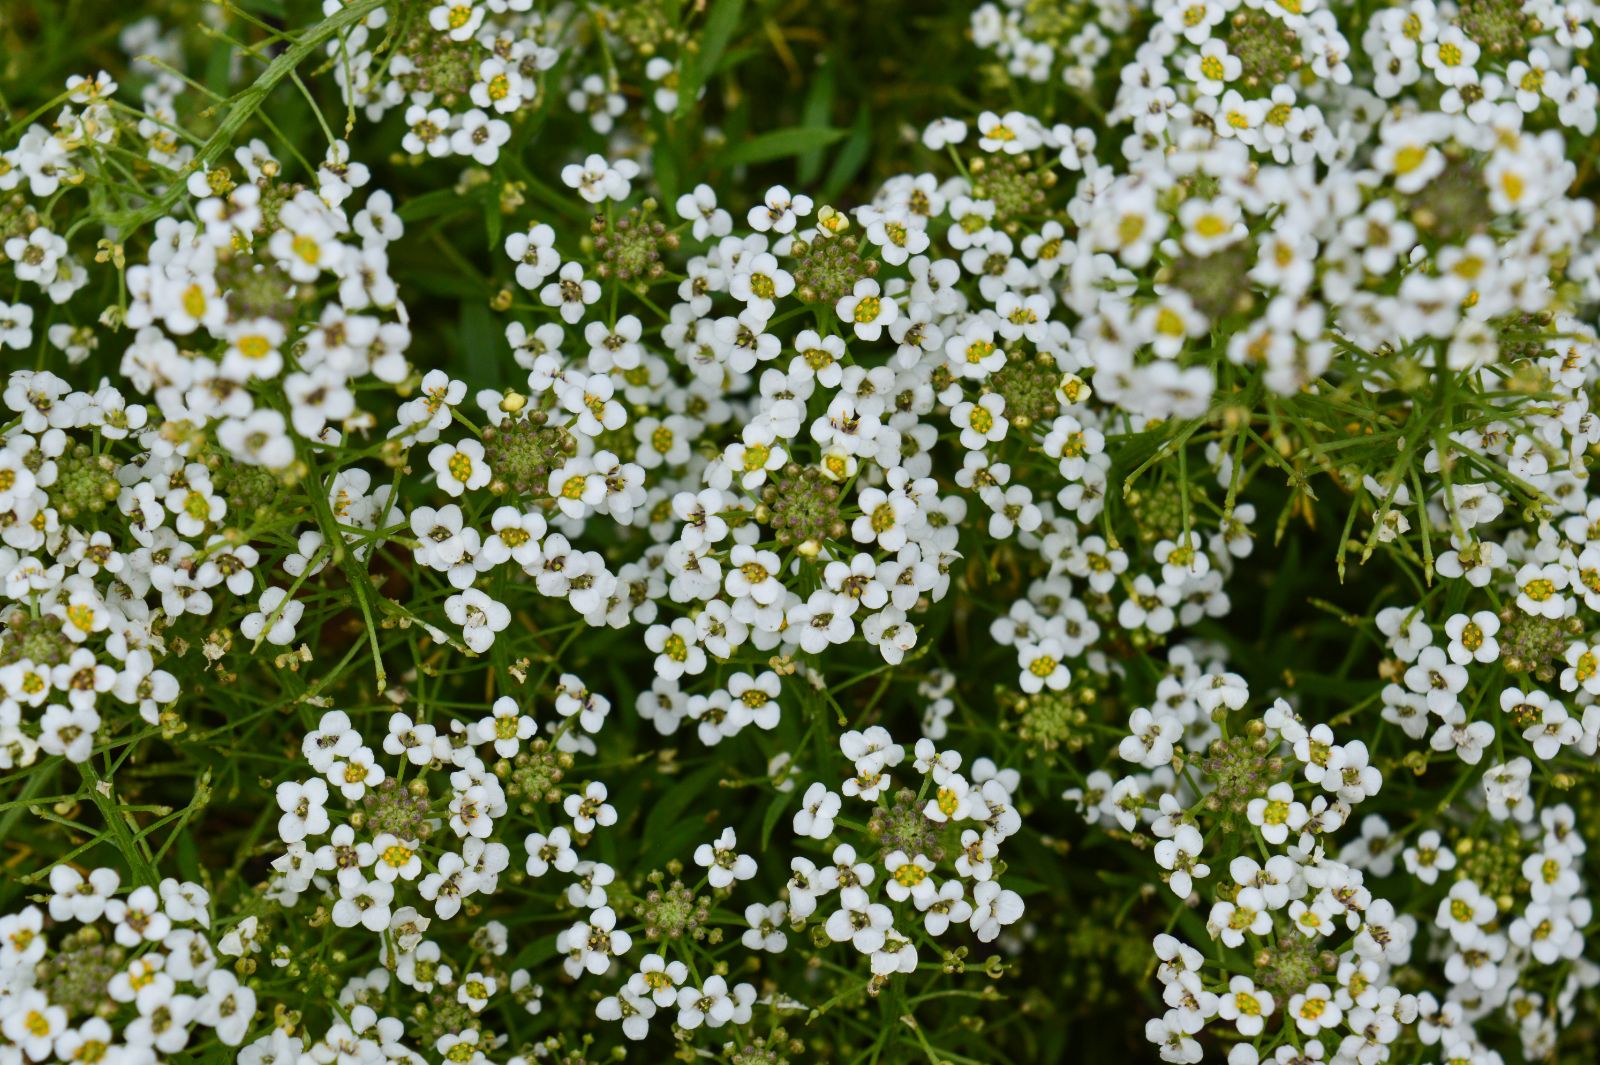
[(563, 570)]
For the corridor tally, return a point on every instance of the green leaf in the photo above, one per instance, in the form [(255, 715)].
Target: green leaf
[(442, 283), (815, 114), (671, 806), (493, 219), (667, 180), (852, 157), (219, 69), (780, 144), (482, 345), (714, 38), (775, 809), (188, 856), (1278, 591), (430, 204), (245, 104), (678, 841), (540, 949)]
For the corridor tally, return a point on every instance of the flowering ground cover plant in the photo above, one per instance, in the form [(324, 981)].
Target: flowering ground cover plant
[(762, 532)]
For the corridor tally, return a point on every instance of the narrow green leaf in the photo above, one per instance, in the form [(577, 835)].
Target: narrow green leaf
[(493, 220), (852, 157), (780, 144), (429, 204), (775, 810), (714, 38), (482, 344), (667, 172), (815, 114), (443, 283), (672, 805)]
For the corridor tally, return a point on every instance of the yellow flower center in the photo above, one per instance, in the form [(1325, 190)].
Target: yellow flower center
[(1539, 589), (910, 875), (81, 617), (1409, 158), (307, 248)]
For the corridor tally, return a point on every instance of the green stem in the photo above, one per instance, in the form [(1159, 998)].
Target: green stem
[(244, 105), (117, 821)]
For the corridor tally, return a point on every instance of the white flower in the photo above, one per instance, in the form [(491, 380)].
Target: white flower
[(981, 422), (631, 1009), (459, 19), (276, 619), (1472, 638), (1248, 912), (81, 898), (352, 776), (766, 924), (658, 979), (677, 649), (479, 616), (590, 809), (1152, 737), (1212, 67), (992, 909), (1278, 814), (505, 727), (590, 945), (722, 862), (817, 811), (1464, 911), (1428, 857), (139, 918), (302, 805), (1540, 588), (228, 1006), (597, 180), (778, 211), (552, 850), (867, 309), (944, 907), (459, 467), (1314, 1009), (1437, 678), (942, 132), (32, 1024), (711, 1004), (1245, 1006), (571, 292), (700, 208), (1179, 855)]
